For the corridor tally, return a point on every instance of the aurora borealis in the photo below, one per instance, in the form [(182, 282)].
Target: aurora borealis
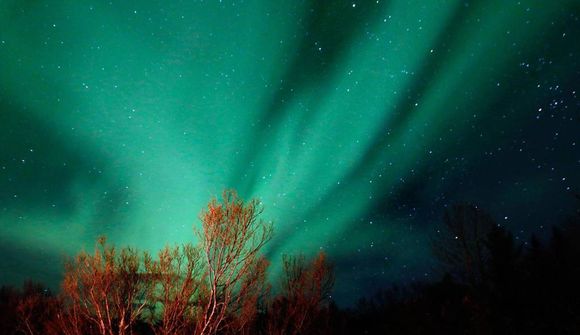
[(355, 122)]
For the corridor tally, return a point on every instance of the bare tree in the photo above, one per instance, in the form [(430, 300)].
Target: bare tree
[(108, 289), (461, 244), (177, 275), (231, 238), (34, 309), (69, 319), (302, 302), (253, 292)]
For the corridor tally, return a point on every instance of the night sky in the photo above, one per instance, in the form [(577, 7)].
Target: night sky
[(355, 122)]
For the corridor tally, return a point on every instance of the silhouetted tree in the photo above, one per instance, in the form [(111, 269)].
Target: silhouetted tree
[(9, 297), (503, 279), (460, 245), (302, 305), (35, 306)]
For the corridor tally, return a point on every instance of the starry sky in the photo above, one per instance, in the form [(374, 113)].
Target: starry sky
[(355, 122)]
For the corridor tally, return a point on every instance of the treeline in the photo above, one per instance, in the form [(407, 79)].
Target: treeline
[(216, 287), (491, 284)]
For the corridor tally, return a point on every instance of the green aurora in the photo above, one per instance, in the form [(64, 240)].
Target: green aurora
[(355, 122)]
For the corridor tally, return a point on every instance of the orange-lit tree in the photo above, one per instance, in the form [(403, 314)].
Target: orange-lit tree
[(107, 290), (231, 238), (254, 290), (302, 302), (177, 276)]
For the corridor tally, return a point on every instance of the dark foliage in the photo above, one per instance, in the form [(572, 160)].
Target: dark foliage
[(518, 289)]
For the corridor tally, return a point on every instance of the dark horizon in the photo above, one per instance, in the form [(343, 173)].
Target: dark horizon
[(491, 283)]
